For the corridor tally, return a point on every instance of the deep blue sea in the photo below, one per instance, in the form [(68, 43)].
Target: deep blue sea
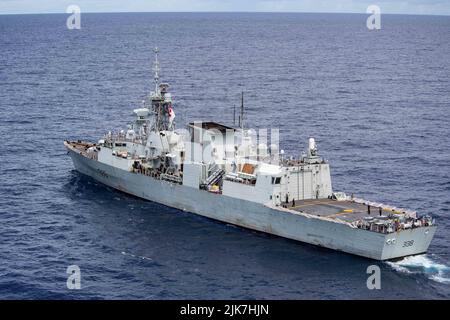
[(377, 102)]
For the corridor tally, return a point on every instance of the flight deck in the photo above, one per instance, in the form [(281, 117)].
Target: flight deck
[(347, 210)]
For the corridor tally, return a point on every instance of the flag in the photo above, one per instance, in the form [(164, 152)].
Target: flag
[(171, 114)]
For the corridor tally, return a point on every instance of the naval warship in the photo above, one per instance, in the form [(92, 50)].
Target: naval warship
[(220, 172)]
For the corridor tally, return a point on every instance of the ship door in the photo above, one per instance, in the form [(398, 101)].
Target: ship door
[(307, 185)]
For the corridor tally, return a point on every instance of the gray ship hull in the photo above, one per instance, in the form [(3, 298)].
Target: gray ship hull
[(274, 220)]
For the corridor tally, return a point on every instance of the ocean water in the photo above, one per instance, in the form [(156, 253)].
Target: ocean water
[(377, 102)]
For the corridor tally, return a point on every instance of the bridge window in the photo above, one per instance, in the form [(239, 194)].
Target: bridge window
[(276, 180)]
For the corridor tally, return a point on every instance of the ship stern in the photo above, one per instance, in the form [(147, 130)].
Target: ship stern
[(407, 242)]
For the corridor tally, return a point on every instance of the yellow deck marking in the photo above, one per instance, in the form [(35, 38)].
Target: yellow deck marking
[(343, 213), (313, 203)]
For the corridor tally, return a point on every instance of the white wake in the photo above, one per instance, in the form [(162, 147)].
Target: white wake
[(136, 256), (422, 264)]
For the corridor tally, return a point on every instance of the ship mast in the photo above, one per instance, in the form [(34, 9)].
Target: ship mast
[(161, 102), (156, 69), (241, 117)]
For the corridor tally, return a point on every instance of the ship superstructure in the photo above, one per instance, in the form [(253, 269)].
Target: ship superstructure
[(223, 173)]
